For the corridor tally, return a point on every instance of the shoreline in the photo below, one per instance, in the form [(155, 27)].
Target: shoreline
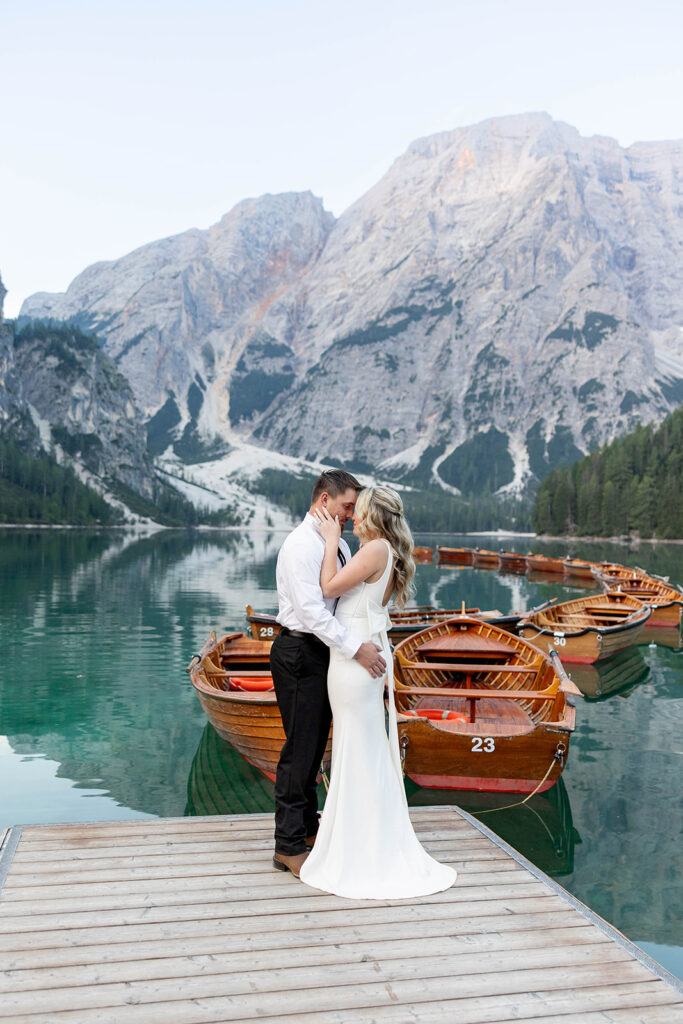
[(151, 528)]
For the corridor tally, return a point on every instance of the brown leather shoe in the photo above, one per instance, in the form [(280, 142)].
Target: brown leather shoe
[(289, 862)]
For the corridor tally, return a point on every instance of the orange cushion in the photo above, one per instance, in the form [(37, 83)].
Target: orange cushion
[(251, 683)]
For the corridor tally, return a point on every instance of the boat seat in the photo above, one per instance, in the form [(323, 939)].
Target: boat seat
[(494, 717), (469, 667)]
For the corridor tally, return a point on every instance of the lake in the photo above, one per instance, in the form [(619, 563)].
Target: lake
[(98, 720)]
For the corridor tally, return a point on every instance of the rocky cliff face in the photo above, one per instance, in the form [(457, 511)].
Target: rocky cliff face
[(60, 392), (82, 405), (14, 415), (507, 297), (176, 314), (504, 297)]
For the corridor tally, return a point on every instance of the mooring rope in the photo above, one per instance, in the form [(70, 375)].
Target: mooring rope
[(557, 756)]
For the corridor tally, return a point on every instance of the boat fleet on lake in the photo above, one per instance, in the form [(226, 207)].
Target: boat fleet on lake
[(483, 700)]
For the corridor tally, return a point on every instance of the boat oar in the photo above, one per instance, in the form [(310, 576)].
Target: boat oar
[(538, 608)]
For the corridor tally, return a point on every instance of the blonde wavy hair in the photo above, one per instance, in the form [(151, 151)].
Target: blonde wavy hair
[(381, 513)]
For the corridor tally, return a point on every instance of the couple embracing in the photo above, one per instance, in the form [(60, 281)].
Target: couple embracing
[(332, 657)]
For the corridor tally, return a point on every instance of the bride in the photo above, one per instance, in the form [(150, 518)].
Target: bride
[(366, 847)]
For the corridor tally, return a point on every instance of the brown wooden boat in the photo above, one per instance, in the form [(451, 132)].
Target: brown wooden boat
[(579, 569), (485, 559), (421, 554), (262, 625), (665, 602), (248, 719), (511, 561), (404, 622), (612, 573), (481, 709), (542, 563), (587, 629), (454, 556)]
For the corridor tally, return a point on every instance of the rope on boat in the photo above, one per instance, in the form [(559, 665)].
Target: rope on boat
[(557, 756), (324, 777)]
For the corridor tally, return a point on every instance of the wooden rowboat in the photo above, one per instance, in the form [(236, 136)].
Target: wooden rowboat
[(454, 556), (423, 554), (404, 623), (665, 601), (485, 559), (579, 569), (262, 625), (587, 629), (248, 719), (612, 572), (542, 563), (481, 709), (511, 561)]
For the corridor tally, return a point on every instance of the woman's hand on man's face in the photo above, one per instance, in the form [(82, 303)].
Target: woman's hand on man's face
[(326, 525)]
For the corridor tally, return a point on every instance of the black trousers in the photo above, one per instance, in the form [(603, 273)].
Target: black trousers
[(299, 668)]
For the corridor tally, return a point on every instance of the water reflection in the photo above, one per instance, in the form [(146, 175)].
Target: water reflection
[(99, 628), (619, 674), (99, 716), (222, 782), (542, 829)]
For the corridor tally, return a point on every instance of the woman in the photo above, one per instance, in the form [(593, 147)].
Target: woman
[(366, 847)]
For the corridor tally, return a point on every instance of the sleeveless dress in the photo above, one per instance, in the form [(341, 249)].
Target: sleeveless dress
[(366, 847)]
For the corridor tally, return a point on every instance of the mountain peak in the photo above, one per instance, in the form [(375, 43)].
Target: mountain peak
[(501, 301)]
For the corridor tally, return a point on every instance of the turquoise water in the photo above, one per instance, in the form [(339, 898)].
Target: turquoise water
[(98, 720)]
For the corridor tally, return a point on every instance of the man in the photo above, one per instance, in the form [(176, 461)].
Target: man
[(299, 660)]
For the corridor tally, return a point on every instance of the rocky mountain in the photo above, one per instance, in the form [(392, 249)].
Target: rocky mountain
[(14, 414), (82, 405), (507, 297), (176, 314), (61, 393)]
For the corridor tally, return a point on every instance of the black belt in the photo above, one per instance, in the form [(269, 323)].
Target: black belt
[(286, 631)]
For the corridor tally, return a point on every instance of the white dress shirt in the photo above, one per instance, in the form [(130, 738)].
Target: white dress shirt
[(300, 597)]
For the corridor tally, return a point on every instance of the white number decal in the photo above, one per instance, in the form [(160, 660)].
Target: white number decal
[(560, 640), (483, 744), (267, 630)]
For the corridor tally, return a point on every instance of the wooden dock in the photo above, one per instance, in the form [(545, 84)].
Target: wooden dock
[(184, 921)]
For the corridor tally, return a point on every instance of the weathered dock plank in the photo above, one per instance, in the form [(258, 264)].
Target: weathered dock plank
[(184, 921)]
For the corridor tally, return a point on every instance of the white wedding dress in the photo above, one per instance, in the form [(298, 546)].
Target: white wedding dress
[(366, 847)]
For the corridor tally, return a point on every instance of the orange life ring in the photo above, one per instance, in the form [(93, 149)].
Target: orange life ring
[(252, 684), (437, 715)]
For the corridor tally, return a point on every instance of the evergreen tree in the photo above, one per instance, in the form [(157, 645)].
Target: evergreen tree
[(632, 485)]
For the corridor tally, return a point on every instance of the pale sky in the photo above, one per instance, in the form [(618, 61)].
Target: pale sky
[(129, 121)]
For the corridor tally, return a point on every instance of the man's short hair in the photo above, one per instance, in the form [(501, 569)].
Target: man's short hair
[(334, 482)]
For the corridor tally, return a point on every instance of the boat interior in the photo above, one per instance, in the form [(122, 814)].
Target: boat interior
[(500, 690)]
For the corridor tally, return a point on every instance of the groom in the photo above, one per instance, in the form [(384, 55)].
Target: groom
[(299, 659)]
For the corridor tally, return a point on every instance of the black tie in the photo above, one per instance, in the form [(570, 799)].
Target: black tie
[(342, 559)]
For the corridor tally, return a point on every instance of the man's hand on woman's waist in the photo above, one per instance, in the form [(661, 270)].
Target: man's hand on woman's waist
[(369, 655)]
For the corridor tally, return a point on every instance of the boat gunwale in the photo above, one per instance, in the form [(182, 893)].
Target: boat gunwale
[(530, 656), (658, 597), (639, 617), (262, 698)]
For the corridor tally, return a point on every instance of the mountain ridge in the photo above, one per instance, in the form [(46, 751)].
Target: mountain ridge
[(508, 294)]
